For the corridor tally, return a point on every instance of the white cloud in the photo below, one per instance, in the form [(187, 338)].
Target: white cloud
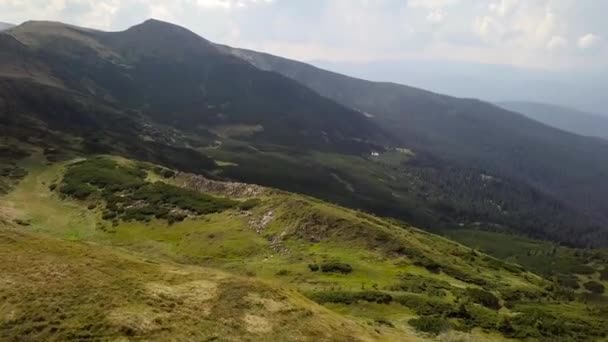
[(229, 4), (431, 4), (557, 43), (435, 16), (588, 41), (488, 28), (504, 7)]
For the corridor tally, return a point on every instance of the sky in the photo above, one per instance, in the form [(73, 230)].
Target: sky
[(547, 37)]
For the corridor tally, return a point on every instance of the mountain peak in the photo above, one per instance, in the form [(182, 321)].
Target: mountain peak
[(156, 37), (164, 29)]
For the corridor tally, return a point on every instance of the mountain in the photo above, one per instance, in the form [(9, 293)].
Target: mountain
[(160, 93), (122, 217), (5, 26), (567, 119), (468, 133), (171, 76)]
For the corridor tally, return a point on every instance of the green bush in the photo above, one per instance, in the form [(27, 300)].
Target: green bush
[(129, 197), (463, 276), (166, 173), (351, 297), (604, 274), (336, 267), (430, 324), (594, 287), (582, 269), (420, 284), (473, 315), (568, 281), (483, 297), (535, 323), (313, 267), (425, 306)]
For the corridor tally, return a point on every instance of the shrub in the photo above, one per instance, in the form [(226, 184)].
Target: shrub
[(473, 315), (569, 281), (430, 324), (425, 306), (350, 297), (420, 284), (463, 276), (282, 273), (166, 173), (604, 274), (483, 297), (535, 323), (594, 287), (582, 269), (124, 186), (385, 322), (313, 267), (429, 264), (336, 267)]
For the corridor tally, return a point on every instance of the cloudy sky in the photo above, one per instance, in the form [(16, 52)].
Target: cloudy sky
[(550, 35), (534, 33)]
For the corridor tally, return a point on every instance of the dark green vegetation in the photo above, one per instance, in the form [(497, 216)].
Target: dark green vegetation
[(568, 267), (10, 172), (430, 324), (544, 182), (128, 196)]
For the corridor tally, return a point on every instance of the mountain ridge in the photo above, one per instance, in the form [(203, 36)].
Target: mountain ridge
[(466, 132), (564, 118), (449, 162), (5, 26)]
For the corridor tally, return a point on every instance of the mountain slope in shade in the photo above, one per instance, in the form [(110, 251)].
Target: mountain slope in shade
[(172, 76), (469, 133), (567, 119)]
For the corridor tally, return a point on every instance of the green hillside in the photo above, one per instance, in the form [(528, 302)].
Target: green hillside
[(146, 224), (555, 173)]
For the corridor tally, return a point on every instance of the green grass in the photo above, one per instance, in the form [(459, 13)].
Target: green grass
[(277, 239), (73, 291)]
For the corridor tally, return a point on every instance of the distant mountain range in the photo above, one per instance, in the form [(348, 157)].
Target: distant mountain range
[(160, 93), (5, 26), (567, 119)]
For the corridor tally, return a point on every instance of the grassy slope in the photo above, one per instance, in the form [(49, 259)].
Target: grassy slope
[(541, 257), (301, 231), (59, 290)]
